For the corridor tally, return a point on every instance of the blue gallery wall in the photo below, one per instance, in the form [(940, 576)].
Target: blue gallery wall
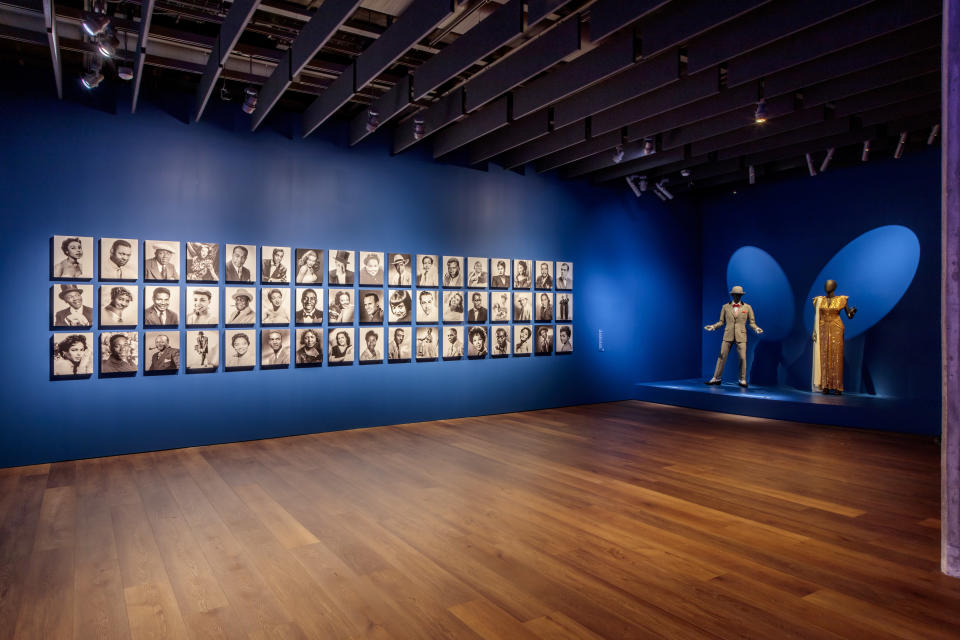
[(73, 169), (787, 232)]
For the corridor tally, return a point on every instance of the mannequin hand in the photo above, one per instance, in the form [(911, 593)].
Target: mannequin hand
[(758, 330), (813, 337), (710, 327), (853, 312)]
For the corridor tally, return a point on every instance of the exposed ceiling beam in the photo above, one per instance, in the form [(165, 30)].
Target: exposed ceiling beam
[(690, 19), (608, 16), (447, 109), (560, 139), (419, 18), (387, 106), (632, 152), (240, 13), (602, 143), (487, 120), (146, 15), (50, 23), (531, 127), (329, 17)]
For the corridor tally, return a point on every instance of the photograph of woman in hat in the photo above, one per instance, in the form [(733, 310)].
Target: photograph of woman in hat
[(341, 267), (121, 309), (163, 264), (241, 306), (70, 311), (310, 351), (309, 266), (399, 270), (341, 349), (71, 355), (521, 274), (202, 261), (341, 306), (75, 264), (477, 278)]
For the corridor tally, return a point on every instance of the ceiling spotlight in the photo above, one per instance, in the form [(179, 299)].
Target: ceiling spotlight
[(810, 168), (760, 115), (224, 92), (865, 155), (91, 78), (618, 154), (826, 160), (632, 183), (660, 188), (685, 173), (95, 23), (751, 174), (108, 45), (249, 100), (900, 144), (649, 146), (933, 134), (124, 72), (419, 130), (373, 120)]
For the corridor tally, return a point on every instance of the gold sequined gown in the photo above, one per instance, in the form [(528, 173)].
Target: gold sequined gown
[(830, 341)]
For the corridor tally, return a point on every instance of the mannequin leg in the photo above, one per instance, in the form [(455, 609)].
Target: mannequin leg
[(742, 352), (722, 359)]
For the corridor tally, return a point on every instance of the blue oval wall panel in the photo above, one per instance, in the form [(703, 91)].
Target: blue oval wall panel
[(767, 290), (875, 270)]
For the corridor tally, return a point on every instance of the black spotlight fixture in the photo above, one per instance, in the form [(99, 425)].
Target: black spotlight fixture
[(618, 154), (95, 22), (419, 129), (760, 114), (373, 120), (91, 78), (250, 98), (224, 92), (649, 146), (108, 45)]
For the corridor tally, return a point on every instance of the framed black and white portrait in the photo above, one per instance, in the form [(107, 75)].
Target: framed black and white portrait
[(274, 265), (341, 307), (370, 344), (309, 351), (119, 259), (564, 307), (203, 350), (119, 353), (371, 268), (71, 258), (543, 278), (428, 343), (274, 348), (340, 349), (452, 347), (428, 270), (399, 270), (477, 342), (309, 266), (499, 342), (203, 262), (118, 305), (427, 306), (240, 263), (522, 339), (309, 305), (500, 308), (565, 338), (371, 306), (543, 345), (275, 305), (400, 306), (203, 306), (499, 273), (453, 307), (564, 275), (161, 306), (398, 345), (478, 310), (342, 266), (71, 355), (239, 349), (522, 274), (161, 260), (71, 305), (522, 307), (240, 306), (452, 272), (543, 309), (477, 273), (161, 352)]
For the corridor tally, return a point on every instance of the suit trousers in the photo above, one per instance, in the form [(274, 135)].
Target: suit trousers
[(722, 360)]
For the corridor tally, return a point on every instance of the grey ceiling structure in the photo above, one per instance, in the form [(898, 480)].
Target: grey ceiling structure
[(546, 85)]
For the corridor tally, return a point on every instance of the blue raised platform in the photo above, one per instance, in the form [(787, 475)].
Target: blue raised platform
[(782, 403)]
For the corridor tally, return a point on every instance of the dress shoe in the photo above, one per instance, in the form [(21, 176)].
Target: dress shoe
[(743, 383), (712, 381)]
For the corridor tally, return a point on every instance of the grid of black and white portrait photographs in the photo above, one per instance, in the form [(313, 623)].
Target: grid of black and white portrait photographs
[(161, 352), (127, 307)]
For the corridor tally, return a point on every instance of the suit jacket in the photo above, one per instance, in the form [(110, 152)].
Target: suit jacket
[(477, 315), (269, 274), (60, 318), (500, 282), (165, 360), (151, 271), (151, 317), (317, 317), (347, 277), (735, 324), (544, 282), (233, 276)]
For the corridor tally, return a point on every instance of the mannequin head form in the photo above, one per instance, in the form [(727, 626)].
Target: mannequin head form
[(830, 286), (736, 293)]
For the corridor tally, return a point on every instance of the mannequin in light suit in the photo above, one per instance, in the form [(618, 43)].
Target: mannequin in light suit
[(734, 317)]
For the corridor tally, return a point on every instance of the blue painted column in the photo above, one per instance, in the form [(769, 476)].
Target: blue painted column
[(950, 307)]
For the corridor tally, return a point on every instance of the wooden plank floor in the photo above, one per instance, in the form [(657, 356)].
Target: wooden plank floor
[(623, 520)]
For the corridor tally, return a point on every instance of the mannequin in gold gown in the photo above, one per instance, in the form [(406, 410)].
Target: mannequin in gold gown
[(828, 339)]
